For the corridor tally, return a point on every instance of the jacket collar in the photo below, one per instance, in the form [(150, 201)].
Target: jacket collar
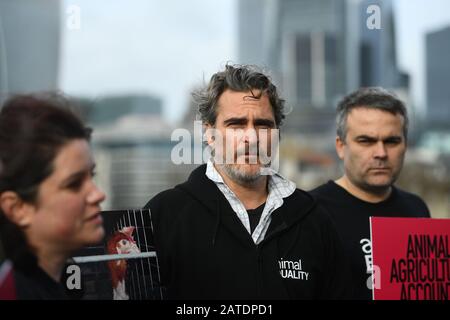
[(200, 187)]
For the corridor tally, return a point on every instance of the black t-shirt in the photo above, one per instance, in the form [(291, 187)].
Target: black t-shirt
[(351, 216), (254, 215)]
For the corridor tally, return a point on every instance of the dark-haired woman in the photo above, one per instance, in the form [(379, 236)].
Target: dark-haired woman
[(49, 204)]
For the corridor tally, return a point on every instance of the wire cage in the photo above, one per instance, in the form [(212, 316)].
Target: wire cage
[(125, 266)]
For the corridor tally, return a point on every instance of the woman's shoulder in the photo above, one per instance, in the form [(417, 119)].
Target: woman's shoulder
[(35, 284)]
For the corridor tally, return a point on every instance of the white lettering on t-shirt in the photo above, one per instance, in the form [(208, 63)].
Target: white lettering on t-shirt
[(374, 271)]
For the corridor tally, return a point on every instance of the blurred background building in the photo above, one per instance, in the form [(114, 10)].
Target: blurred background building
[(319, 51), (132, 148), (130, 67), (30, 36), (438, 78)]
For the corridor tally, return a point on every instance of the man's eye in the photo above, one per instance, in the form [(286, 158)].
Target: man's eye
[(392, 142)]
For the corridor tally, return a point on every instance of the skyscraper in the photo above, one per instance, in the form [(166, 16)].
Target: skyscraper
[(319, 51), (378, 62), (438, 77), (29, 45), (306, 44)]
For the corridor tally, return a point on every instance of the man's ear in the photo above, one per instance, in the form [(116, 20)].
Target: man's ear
[(340, 147), (15, 209)]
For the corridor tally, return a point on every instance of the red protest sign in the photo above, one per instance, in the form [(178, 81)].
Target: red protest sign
[(411, 258)]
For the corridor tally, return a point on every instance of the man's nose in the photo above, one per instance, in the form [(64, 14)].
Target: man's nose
[(380, 150), (250, 135)]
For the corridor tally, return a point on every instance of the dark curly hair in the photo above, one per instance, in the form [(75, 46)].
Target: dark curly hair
[(240, 78)]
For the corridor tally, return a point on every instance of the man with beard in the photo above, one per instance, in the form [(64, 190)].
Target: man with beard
[(372, 128), (237, 229)]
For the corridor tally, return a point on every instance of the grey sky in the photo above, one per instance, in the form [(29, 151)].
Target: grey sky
[(164, 47), (141, 46)]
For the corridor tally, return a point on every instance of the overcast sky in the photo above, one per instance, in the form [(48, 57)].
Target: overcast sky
[(165, 47), (147, 46)]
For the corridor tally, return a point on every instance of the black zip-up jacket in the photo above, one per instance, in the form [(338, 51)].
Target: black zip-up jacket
[(205, 252)]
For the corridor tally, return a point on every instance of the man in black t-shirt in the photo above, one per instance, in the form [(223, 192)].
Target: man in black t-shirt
[(372, 127)]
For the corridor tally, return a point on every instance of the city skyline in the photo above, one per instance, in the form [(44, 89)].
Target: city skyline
[(140, 51)]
